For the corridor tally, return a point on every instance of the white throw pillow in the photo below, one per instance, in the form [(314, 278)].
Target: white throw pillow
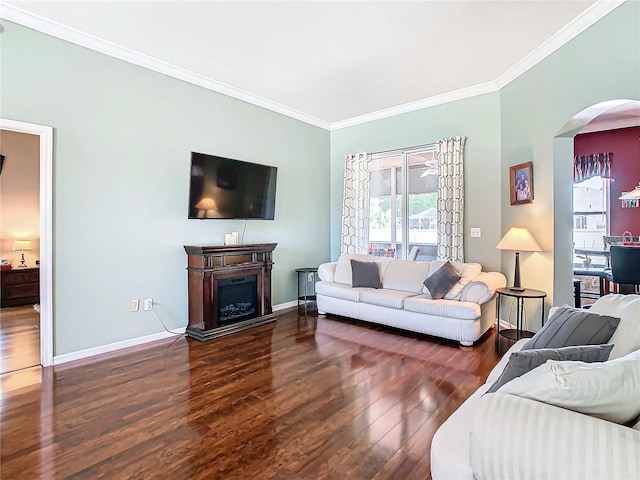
[(608, 390), (405, 275), (343, 268), (626, 338)]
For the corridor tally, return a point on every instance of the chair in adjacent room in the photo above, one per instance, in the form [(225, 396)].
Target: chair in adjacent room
[(625, 268)]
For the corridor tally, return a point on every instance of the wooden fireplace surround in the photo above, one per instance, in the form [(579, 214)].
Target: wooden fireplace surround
[(206, 265)]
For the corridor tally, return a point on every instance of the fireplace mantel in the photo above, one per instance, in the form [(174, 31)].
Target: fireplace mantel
[(207, 266)]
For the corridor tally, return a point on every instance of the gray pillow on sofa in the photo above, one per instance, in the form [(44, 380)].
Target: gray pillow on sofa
[(573, 326), (365, 274), (525, 360), (442, 281)]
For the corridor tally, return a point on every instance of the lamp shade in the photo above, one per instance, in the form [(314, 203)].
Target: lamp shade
[(520, 240), (632, 195), (206, 203), (22, 246)]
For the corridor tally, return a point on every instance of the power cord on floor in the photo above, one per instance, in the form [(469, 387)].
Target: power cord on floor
[(165, 327)]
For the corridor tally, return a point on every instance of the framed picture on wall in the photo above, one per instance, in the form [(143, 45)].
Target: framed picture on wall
[(521, 183)]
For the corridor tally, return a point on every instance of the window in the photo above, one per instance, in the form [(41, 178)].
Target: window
[(393, 212), (590, 215), (579, 222)]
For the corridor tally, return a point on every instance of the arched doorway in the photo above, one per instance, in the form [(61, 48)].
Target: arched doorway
[(607, 115)]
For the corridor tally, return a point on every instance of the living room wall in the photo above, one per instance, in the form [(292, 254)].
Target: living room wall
[(122, 142), (515, 125), (477, 118), (600, 64)]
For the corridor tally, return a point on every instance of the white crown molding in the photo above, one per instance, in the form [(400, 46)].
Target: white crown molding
[(55, 29), (463, 93), (578, 25), (590, 16)]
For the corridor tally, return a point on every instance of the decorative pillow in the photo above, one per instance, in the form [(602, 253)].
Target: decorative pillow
[(626, 338), (365, 274), (608, 390), (343, 267), (525, 361), (443, 280), (467, 272), (573, 326)]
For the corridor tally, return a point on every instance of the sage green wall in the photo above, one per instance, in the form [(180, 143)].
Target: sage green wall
[(477, 118), (602, 63), (122, 140), (515, 125)]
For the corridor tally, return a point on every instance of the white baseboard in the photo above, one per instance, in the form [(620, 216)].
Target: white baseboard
[(111, 347), (282, 306), (132, 342)]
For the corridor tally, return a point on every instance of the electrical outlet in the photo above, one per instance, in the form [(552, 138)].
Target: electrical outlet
[(476, 233), (135, 305), (148, 303)]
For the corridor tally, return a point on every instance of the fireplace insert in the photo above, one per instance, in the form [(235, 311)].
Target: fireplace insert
[(237, 299)]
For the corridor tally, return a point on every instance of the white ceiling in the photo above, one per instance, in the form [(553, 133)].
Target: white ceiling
[(330, 63)]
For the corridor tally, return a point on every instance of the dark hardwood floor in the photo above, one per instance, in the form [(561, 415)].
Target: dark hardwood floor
[(19, 338), (302, 398)]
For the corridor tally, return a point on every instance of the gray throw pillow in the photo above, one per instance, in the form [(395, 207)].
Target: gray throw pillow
[(442, 281), (365, 274), (523, 361), (573, 326)]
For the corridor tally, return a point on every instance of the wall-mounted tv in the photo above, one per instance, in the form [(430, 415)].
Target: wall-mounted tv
[(222, 187)]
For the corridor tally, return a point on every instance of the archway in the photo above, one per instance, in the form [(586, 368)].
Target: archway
[(619, 113)]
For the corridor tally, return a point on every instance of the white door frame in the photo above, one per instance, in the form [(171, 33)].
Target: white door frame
[(46, 230)]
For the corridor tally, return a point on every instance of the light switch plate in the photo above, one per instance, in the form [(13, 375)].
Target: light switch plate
[(476, 233)]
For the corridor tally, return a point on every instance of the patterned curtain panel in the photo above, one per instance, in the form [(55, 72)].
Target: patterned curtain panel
[(355, 204), (450, 153), (587, 166)]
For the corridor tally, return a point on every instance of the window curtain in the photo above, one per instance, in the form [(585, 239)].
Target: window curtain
[(450, 155), (588, 166), (355, 204)]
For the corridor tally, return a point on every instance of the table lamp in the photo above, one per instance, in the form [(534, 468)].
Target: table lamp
[(520, 240), (22, 246)]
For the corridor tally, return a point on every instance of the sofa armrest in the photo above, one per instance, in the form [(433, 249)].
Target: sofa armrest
[(326, 271), (483, 287), (515, 437)]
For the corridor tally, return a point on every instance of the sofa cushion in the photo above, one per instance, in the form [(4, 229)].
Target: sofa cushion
[(339, 290), (467, 271), (442, 281), (442, 308), (365, 274), (522, 362), (343, 267), (405, 275), (626, 338), (573, 326), (385, 298), (607, 390)]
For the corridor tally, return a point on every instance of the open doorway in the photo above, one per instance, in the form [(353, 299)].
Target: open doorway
[(27, 288), (19, 249), (608, 134)]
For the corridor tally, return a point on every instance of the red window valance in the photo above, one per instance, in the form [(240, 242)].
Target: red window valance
[(587, 166)]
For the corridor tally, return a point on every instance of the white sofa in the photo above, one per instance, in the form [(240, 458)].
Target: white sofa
[(463, 315), (501, 435)]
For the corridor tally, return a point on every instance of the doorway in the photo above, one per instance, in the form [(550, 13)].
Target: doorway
[(609, 115), (28, 282)]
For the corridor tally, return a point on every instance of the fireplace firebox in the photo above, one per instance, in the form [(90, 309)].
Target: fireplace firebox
[(229, 288), (237, 298)]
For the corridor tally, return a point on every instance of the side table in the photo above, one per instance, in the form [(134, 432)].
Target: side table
[(520, 296), (306, 292)]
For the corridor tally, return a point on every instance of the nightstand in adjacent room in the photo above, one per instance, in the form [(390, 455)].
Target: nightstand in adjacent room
[(20, 286)]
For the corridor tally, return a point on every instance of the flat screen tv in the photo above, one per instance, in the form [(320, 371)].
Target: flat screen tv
[(222, 187)]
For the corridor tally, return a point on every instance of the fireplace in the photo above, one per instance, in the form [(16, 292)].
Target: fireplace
[(229, 288), (237, 299)]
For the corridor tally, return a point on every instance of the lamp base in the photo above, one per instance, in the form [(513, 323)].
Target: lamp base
[(516, 289)]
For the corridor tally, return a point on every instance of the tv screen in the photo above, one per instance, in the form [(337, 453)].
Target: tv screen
[(222, 187)]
